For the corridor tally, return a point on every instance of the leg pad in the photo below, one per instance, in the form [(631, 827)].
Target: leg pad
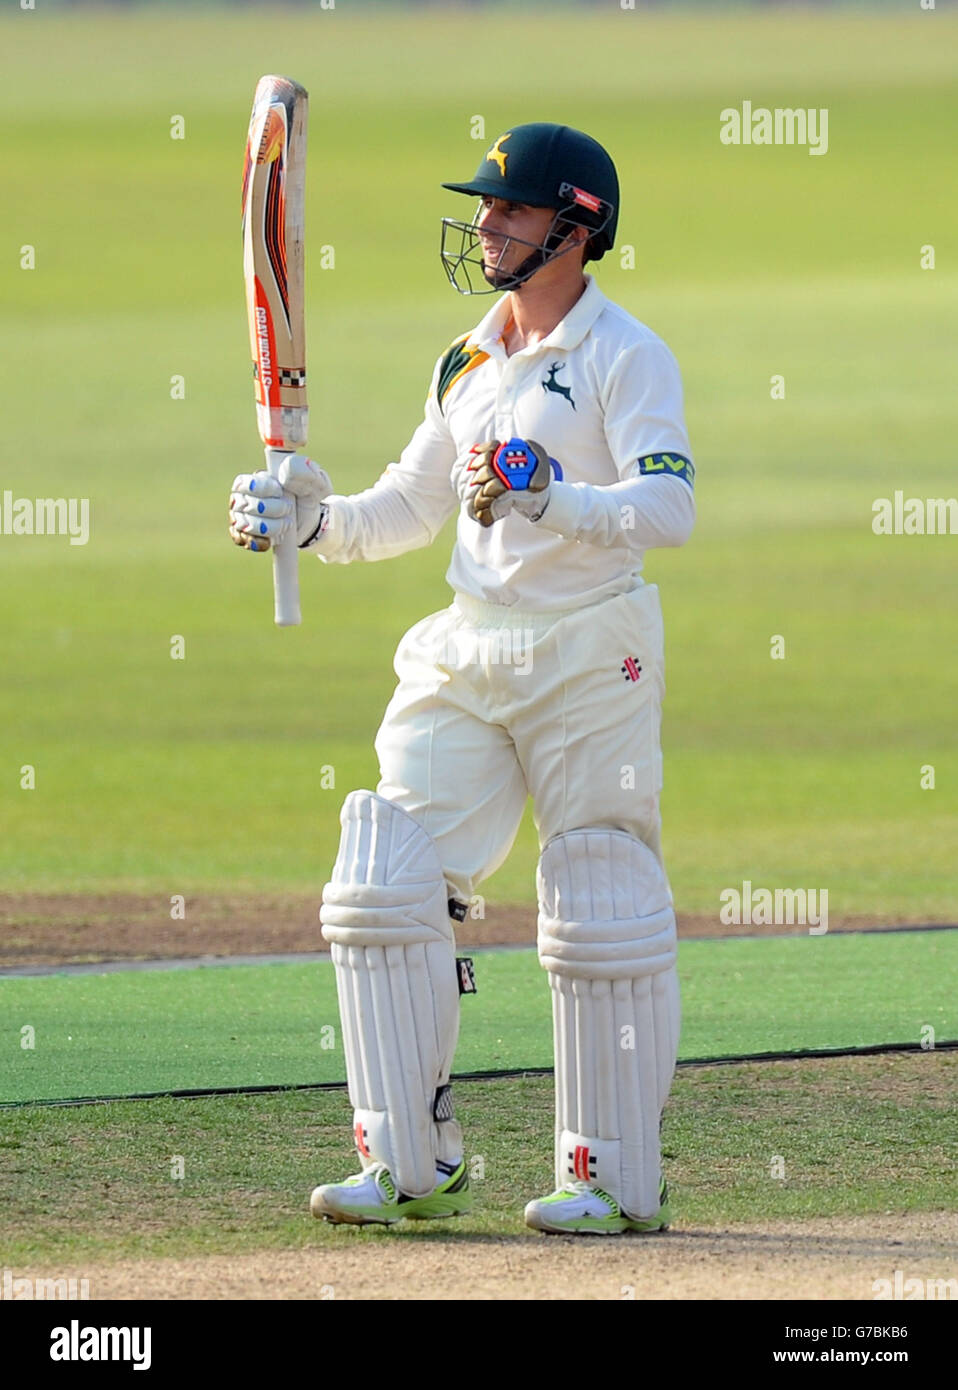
[(385, 914), (607, 939)]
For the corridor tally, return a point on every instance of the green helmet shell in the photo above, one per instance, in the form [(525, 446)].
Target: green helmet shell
[(552, 166)]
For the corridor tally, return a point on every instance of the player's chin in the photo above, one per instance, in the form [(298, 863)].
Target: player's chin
[(495, 275)]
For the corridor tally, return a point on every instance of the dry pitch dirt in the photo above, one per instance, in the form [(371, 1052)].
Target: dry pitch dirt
[(837, 1258), (54, 929), (819, 1259)]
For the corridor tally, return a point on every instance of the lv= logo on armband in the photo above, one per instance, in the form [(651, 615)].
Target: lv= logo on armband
[(676, 464)]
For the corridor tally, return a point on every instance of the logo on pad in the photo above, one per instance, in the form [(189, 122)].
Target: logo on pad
[(581, 1162)]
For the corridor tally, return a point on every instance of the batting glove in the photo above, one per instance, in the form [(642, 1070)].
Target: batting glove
[(264, 508), (512, 476)]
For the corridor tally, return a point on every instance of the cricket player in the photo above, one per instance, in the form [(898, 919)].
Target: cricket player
[(554, 431)]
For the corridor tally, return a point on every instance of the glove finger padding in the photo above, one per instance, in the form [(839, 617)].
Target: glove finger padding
[(251, 505), (499, 480), (257, 532), (248, 541), (482, 453), (258, 513), (256, 485), (464, 471)]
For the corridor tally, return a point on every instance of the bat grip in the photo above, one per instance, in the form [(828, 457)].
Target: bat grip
[(285, 560)]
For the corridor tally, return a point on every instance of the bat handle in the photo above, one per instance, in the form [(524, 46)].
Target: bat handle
[(285, 561)]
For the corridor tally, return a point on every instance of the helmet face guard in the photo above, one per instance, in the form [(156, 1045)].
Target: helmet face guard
[(465, 265)]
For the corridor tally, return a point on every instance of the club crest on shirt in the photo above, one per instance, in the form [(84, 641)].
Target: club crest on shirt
[(550, 383)]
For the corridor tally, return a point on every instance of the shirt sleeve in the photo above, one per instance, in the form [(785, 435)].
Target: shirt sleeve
[(654, 503), (409, 504)]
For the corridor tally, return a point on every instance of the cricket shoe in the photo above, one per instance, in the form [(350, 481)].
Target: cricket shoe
[(372, 1197), (581, 1209)]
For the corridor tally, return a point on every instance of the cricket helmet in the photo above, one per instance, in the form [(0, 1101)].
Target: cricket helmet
[(546, 166)]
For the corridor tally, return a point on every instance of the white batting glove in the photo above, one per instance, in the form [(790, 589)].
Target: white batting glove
[(264, 508)]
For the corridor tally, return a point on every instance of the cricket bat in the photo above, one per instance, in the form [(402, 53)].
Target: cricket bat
[(274, 182)]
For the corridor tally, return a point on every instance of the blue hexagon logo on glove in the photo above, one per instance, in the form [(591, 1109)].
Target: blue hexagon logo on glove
[(514, 463)]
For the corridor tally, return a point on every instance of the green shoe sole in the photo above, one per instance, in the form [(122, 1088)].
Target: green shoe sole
[(439, 1204), (606, 1226), (589, 1226)]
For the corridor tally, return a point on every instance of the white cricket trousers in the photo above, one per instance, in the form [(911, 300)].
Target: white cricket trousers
[(493, 705)]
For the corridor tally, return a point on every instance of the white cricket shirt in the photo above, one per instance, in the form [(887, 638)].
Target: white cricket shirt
[(602, 393)]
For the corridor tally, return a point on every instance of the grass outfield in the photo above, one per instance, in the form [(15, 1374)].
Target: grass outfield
[(182, 776), (137, 1033), (250, 1162)]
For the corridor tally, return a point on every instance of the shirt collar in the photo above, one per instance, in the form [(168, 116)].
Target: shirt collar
[(568, 332)]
